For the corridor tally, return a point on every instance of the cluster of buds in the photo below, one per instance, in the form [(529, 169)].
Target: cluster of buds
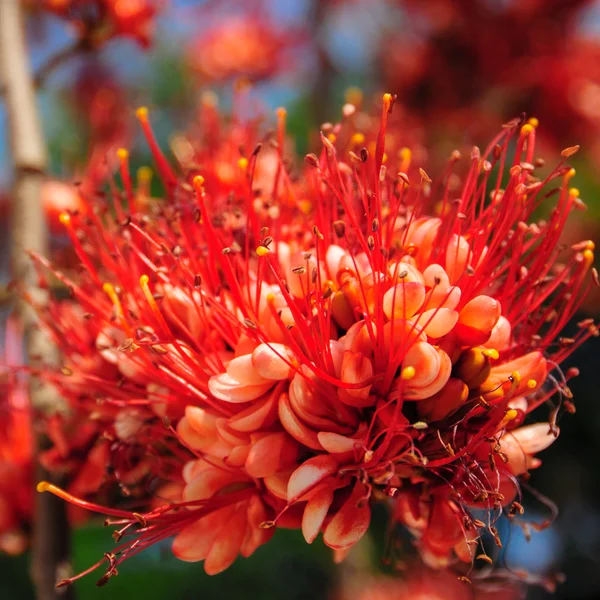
[(283, 348), (98, 21)]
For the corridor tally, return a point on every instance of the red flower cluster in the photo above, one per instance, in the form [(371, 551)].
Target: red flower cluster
[(283, 348), (100, 20), (16, 447)]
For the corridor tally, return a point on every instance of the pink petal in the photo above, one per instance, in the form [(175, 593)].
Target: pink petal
[(242, 371)]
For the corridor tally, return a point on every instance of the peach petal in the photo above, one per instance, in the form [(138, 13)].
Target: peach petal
[(401, 335), (501, 334), (224, 387), (521, 444), (260, 414), (457, 255), (350, 522), (256, 535), (403, 300), (419, 393), (241, 369), (269, 455), (334, 443), (203, 422), (438, 322), (238, 456), (227, 543), (315, 513), (410, 271), (295, 427), (356, 368), (277, 484), (452, 396), (208, 483), (309, 474), (195, 541), (333, 257), (424, 358), (268, 361), (477, 319)]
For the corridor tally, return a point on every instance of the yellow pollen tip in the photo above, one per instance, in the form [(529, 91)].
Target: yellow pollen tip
[(331, 137), (491, 353), (262, 251), (574, 192), (526, 129), (43, 486), (243, 163), (588, 255), (123, 154), (531, 384), (270, 298), (354, 96), (65, 218), (281, 112), (142, 113), (144, 174), (305, 206), (407, 373), (571, 173), (510, 415), (357, 139), (405, 153), (387, 98), (198, 181), (516, 377), (108, 288), (533, 122), (144, 279)]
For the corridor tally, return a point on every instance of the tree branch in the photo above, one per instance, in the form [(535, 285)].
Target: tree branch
[(50, 546)]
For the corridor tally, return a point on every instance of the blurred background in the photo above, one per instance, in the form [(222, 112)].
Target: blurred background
[(460, 69)]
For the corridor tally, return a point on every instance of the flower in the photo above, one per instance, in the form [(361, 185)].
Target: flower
[(16, 448), (101, 20), (356, 334)]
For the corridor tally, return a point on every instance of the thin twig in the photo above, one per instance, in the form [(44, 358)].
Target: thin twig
[(50, 545)]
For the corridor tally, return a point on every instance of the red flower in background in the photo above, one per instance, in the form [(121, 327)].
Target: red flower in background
[(246, 46), (16, 447), (101, 20), (286, 354)]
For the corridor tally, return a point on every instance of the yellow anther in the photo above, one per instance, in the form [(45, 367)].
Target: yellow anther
[(43, 486), (533, 122), (354, 96), (387, 99), (574, 192), (142, 113), (407, 373), (358, 139), (305, 206), (491, 353), (270, 298), (510, 415), (123, 154), (198, 181), (65, 219), (590, 245), (526, 129), (109, 290), (331, 137), (144, 174), (405, 155), (420, 425), (384, 158), (532, 384), (243, 163), (281, 113), (262, 251), (570, 174), (588, 256)]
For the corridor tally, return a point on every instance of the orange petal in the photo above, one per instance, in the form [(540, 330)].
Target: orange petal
[(270, 454), (295, 427), (477, 320), (268, 362), (438, 322), (241, 369), (228, 542), (224, 387)]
